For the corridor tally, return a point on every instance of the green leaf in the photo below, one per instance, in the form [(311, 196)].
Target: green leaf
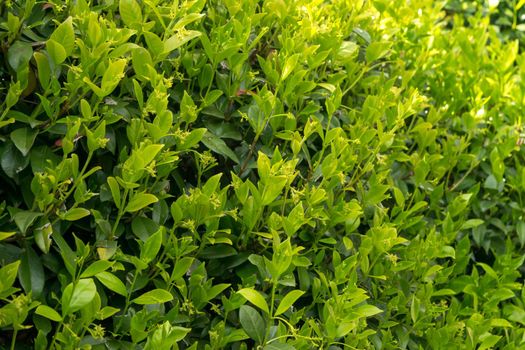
[(115, 191), (192, 139), (31, 273), (130, 12), (152, 246), (211, 97), (112, 282), (177, 40), (65, 36), (141, 61), (218, 251), (156, 296), (19, 55), (24, 219), (288, 301), (96, 267), (368, 310), (278, 346), (139, 201), (181, 267), (252, 323), (12, 162), (75, 214), (112, 76), (43, 68), (107, 311), (77, 296), (56, 51), (273, 188), (49, 313), (217, 145), (255, 298), (5, 235), (8, 275), (289, 65), (24, 138)]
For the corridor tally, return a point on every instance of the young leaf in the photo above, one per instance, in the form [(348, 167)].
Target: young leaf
[(65, 36), (273, 188), (112, 76), (288, 301)]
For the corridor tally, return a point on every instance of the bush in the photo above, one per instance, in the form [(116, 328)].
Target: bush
[(274, 175)]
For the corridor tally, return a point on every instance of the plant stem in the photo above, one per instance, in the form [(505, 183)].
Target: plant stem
[(13, 341)]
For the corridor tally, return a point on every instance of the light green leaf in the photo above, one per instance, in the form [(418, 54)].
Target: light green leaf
[(156, 296), (5, 235), (192, 139), (65, 36), (141, 61), (177, 40), (288, 301), (8, 275), (255, 298), (273, 188), (368, 310), (56, 51), (76, 296), (130, 12), (112, 76), (107, 311), (152, 246), (49, 313), (97, 267), (115, 191), (75, 214), (139, 201), (289, 65)]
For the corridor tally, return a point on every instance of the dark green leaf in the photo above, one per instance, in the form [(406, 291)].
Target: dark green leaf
[(252, 323)]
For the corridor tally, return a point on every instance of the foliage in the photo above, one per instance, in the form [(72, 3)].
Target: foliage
[(259, 174)]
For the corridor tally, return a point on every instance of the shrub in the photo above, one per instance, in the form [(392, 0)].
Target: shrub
[(244, 174)]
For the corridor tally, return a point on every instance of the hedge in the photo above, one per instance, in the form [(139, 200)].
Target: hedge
[(277, 174)]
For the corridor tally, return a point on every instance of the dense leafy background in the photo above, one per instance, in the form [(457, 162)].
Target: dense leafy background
[(283, 174)]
